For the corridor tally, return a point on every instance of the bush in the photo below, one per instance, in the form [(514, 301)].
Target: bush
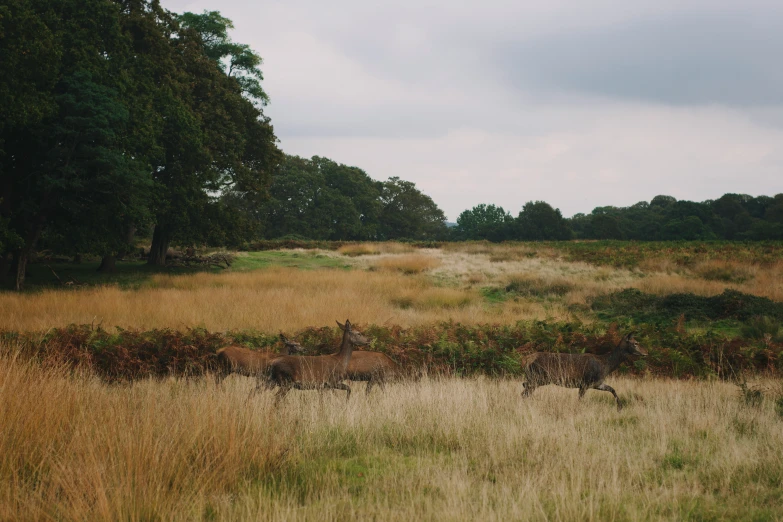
[(443, 348), (760, 327)]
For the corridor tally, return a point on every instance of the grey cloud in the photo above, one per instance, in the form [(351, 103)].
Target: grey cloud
[(726, 58)]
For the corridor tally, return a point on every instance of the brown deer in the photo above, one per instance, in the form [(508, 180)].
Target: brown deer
[(317, 372), (251, 363), (583, 371), (372, 367)]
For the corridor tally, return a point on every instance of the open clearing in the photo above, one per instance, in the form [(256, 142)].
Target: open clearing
[(387, 284)]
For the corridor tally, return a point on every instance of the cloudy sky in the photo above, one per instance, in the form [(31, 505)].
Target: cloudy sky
[(580, 104)]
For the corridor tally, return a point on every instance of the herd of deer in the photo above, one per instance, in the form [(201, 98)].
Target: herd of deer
[(286, 370)]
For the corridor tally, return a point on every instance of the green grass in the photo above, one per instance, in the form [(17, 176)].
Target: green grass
[(304, 260), (134, 274)]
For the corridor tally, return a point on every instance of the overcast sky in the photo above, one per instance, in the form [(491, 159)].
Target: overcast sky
[(580, 104)]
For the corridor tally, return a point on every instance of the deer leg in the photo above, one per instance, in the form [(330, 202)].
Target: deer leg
[(281, 393), (369, 385), (219, 376), (582, 393), (343, 386), (261, 383), (606, 387), (527, 389)]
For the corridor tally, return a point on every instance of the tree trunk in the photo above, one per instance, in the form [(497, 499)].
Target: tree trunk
[(129, 237), (25, 252), (21, 268), (108, 264), (5, 265), (161, 238)]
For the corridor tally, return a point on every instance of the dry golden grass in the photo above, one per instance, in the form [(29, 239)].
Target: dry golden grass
[(268, 300), (72, 448), (472, 449), (410, 264), (442, 285), (360, 249), (371, 249)]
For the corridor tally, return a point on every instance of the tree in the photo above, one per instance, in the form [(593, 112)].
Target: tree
[(662, 201), (321, 199), (484, 222), (214, 139), (62, 165), (408, 213), (539, 221), (238, 60)]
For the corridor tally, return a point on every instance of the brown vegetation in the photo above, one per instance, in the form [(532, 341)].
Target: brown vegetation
[(72, 448), (409, 264)]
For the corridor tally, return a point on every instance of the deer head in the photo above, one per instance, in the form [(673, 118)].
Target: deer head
[(356, 337), (631, 346), (292, 346)]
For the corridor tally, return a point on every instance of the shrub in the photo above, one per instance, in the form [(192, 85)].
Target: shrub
[(413, 264), (535, 287), (760, 327), (443, 348), (359, 249)]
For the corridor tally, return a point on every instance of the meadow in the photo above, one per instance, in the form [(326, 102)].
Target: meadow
[(106, 413), (438, 449)]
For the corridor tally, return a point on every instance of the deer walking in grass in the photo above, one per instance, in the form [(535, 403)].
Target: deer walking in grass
[(250, 363), (371, 367), (583, 371), (317, 372)]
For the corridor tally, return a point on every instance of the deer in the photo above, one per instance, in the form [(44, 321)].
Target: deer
[(583, 371), (317, 372), (372, 367), (251, 363)]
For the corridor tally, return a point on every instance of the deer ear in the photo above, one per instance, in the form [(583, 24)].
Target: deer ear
[(282, 338), (629, 336), (348, 324), (342, 326)]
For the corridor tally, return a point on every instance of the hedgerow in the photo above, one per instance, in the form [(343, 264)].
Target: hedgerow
[(446, 348)]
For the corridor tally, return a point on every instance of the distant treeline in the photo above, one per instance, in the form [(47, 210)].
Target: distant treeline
[(319, 199), (732, 217)]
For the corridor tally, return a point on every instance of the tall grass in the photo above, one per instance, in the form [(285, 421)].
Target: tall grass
[(267, 300), (74, 449), (411, 264)]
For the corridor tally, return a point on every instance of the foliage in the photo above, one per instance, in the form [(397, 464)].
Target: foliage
[(445, 348), (628, 254), (483, 222), (538, 221), (649, 308), (732, 217), (408, 213), (238, 60), (320, 199)]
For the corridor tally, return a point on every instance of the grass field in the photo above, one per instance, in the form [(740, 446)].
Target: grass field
[(73, 447), (380, 284), (451, 449)]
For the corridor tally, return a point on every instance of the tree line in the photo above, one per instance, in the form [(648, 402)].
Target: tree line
[(731, 217), (318, 198)]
